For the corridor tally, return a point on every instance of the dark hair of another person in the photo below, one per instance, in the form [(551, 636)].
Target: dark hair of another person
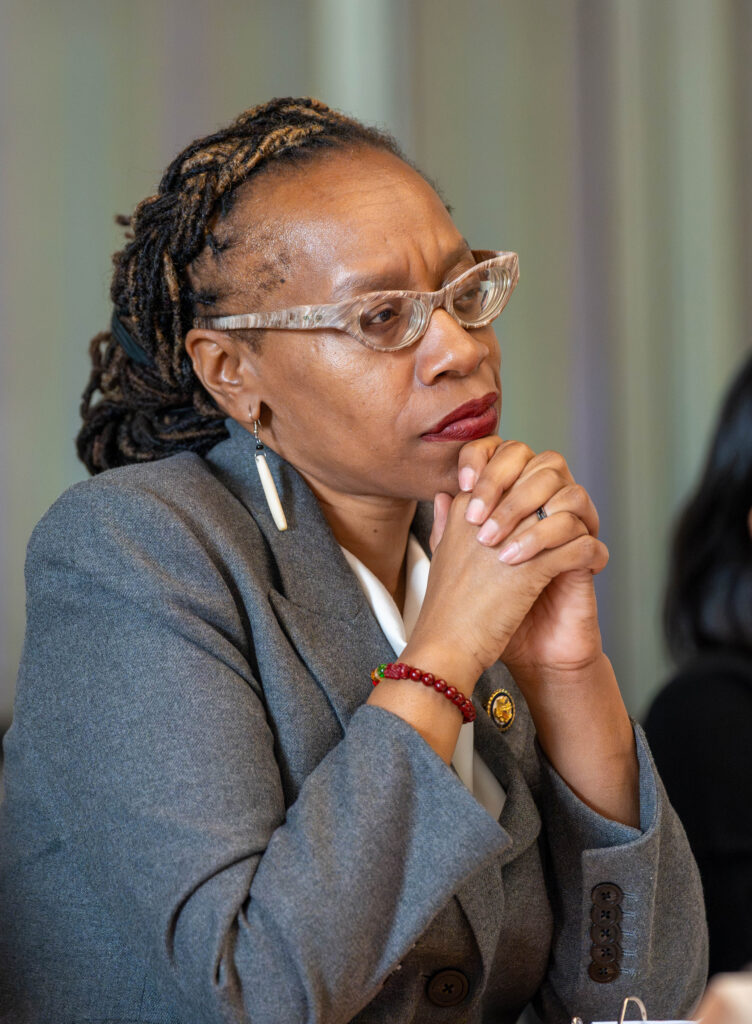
[(137, 412), (709, 595)]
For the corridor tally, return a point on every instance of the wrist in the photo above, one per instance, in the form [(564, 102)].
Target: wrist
[(458, 668), (585, 732), (572, 708), (401, 671), (588, 671)]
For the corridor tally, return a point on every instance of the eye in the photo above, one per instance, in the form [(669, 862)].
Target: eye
[(381, 316), (385, 318), (468, 294), (469, 299)]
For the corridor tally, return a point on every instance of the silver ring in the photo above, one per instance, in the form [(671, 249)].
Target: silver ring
[(541, 513)]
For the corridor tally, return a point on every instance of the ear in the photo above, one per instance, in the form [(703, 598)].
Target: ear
[(225, 365)]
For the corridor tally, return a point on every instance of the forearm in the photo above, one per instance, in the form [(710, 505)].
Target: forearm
[(436, 719), (584, 729)]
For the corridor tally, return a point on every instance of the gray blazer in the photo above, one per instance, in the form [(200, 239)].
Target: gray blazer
[(204, 822)]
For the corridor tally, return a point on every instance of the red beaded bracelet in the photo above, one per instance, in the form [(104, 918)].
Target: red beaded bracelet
[(399, 670)]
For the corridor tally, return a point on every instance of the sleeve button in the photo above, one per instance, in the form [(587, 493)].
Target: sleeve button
[(605, 954), (603, 973), (605, 934), (607, 895), (605, 916)]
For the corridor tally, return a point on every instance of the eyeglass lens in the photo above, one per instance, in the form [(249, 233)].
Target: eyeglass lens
[(386, 321)]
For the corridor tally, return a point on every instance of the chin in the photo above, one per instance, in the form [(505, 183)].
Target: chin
[(426, 485)]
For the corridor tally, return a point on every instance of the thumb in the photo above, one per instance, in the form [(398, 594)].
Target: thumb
[(441, 506)]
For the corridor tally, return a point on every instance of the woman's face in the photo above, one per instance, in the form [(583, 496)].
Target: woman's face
[(354, 419)]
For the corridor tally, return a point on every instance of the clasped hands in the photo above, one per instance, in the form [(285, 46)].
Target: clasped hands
[(507, 585), (526, 582)]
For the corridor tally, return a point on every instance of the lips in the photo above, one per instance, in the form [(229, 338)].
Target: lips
[(475, 418)]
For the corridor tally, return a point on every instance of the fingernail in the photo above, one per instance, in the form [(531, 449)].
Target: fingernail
[(488, 532), (510, 552), (468, 478), (476, 511)]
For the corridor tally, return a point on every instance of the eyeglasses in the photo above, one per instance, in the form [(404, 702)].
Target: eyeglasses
[(387, 321)]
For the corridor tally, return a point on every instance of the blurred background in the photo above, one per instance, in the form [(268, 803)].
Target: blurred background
[(609, 142)]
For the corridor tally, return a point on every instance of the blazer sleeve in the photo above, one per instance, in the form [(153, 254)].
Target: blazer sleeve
[(159, 769), (629, 912)]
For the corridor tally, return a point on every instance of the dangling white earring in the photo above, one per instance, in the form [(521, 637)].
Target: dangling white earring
[(267, 482)]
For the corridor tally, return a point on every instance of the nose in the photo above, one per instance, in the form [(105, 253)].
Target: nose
[(447, 348)]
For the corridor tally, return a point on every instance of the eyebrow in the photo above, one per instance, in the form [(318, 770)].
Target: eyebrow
[(361, 284)]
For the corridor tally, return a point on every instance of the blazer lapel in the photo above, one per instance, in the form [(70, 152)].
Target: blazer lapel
[(322, 609), (338, 653), (317, 599)]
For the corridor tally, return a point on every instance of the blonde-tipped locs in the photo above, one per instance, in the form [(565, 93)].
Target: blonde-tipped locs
[(137, 411)]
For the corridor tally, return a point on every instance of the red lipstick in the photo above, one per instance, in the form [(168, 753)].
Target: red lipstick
[(473, 419)]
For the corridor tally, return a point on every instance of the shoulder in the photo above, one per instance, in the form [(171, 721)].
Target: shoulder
[(176, 482), (180, 487), (172, 511)]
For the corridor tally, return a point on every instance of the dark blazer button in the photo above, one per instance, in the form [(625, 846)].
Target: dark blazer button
[(603, 973), (605, 934), (607, 895), (605, 954), (447, 988), (605, 915)]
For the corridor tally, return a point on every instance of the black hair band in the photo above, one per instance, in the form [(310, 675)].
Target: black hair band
[(124, 339)]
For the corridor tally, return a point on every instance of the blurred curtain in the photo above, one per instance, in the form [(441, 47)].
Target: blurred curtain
[(609, 143)]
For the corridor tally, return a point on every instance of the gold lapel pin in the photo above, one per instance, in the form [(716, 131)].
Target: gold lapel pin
[(501, 709)]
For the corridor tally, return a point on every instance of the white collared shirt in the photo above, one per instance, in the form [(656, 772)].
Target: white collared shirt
[(468, 765)]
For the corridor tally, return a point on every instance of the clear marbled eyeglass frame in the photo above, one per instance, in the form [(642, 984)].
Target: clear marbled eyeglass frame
[(390, 320)]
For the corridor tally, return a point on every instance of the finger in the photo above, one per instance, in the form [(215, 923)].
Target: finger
[(584, 553), (545, 535), (473, 459), (575, 498), (502, 470), (441, 504), (522, 505), (521, 500), (549, 460)]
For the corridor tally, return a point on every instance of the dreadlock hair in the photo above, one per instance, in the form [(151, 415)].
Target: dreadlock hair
[(151, 407)]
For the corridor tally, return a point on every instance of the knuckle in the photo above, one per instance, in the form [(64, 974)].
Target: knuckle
[(554, 477), (577, 497), (590, 547), (520, 449), (574, 522), (478, 451), (548, 457), (580, 548), (553, 459)]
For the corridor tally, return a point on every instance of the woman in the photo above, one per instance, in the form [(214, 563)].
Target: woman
[(706, 708), (211, 812)]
